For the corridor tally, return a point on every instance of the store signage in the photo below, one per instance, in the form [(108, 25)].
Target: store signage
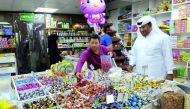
[(26, 16)]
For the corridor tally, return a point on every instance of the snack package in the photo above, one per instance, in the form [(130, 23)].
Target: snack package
[(106, 63)]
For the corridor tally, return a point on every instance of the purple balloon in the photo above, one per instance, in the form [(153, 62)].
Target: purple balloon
[(92, 6), (93, 10)]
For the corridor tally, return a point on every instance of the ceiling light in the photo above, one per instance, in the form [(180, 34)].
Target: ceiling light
[(48, 10)]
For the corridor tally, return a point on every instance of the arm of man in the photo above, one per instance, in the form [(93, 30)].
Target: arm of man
[(108, 41), (167, 53), (132, 58), (81, 61)]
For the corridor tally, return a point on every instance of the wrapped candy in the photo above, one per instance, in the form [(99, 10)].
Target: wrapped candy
[(42, 103), (62, 68)]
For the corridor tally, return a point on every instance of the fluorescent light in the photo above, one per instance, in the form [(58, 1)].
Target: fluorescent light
[(48, 10)]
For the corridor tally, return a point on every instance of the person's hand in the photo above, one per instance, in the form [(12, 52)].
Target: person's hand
[(169, 77), (110, 54), (130, 68), (79, 75)]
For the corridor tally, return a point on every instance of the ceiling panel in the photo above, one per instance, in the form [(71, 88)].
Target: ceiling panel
[(64, 6), (5, 5), (27, 5)]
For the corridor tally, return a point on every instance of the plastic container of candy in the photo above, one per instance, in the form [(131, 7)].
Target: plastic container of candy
[(72, 100), (46, 102)]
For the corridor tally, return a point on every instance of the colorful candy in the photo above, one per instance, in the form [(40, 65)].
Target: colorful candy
[(42, 103)]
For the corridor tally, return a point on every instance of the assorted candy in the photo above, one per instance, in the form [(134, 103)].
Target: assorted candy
[(90, 89), (128, 92), (71, 101), (62, 68), (60, 87), (43, 103), (28, 86), (31, 94)]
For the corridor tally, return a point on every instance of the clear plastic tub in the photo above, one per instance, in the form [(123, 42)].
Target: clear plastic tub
[(5, 86)]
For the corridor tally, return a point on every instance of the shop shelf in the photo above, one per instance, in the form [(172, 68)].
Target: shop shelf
[(183, 3), (182, 48), (8, 70), (74, 36), (7, 59), (72, 47), (72, 42), (159, 13), (129, 19), (179, 34), (59, 28), (121, 33)]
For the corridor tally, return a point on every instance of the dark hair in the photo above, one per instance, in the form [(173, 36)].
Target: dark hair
[(150, 24), (104, 27), (94, 36)]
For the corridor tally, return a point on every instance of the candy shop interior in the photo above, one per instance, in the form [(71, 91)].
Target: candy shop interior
[(94, 54)]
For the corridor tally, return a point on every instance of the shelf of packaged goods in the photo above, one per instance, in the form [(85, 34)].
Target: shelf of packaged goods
[(78, 29), (129, 19), (121, 33), (8, 70), (182, 3), (7, 48), (72, 47), (120, 58), (160, 13), (59, 28), (111, 32), (128, 46), (71, 42), (7, 59), (179, 34), (181, 48), (74, 36)]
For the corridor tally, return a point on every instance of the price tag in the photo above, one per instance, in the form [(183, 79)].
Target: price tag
[(120, 97), (109, 99), (125, 97), (155, 92), (47, 89)]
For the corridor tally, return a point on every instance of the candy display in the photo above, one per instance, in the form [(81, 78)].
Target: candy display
[(60, 87), (171, 100), (90, 88), (42, 103), (28, 86), (56, 84), (31, 94), (163, 6), (62, 68), (71, 101), (7, 43), (186, 101)]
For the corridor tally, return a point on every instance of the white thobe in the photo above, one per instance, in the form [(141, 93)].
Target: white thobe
[(154, 53)]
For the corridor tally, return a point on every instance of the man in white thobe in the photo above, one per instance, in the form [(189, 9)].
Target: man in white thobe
[(151, 53)]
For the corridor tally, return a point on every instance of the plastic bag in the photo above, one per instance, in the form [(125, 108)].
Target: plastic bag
[(106, 63)]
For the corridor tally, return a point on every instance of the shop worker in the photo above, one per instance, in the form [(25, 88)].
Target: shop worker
[(92, 55), (151, 53), (105, 39)]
